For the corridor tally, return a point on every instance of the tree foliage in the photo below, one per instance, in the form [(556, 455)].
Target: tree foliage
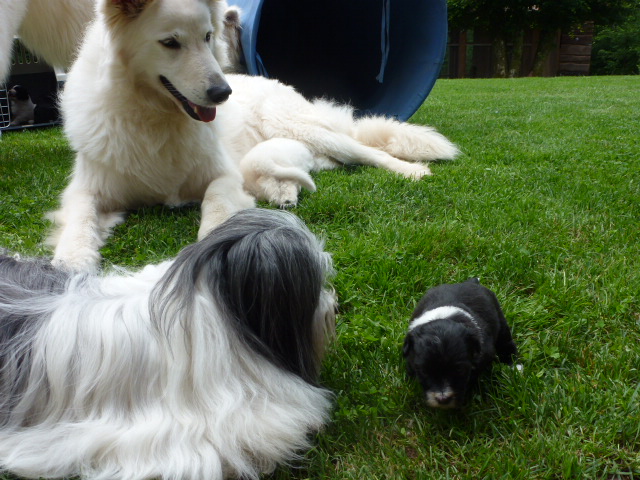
[(616, 48), (512, 16), (505, 20)]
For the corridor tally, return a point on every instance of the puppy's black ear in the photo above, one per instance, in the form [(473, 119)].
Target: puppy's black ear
[(474, 345), (407, 347)]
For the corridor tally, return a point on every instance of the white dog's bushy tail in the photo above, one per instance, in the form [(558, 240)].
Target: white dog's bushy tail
[(415, 143)]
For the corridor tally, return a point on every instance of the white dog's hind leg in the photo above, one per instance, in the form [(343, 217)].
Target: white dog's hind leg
[(223, 198), (281, 193), (415, 143), (11, 14), (345, 149), (277, 169), (54, 30)]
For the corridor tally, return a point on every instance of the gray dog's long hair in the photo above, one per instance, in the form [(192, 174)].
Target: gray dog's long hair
[(201, 367), (267, 272)]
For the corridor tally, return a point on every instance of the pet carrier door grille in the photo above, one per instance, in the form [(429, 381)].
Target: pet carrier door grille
[(5, 117)]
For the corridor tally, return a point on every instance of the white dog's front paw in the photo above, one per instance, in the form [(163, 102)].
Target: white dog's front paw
[(82, 260)]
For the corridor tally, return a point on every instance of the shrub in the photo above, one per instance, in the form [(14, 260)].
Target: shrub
[(616, 49)]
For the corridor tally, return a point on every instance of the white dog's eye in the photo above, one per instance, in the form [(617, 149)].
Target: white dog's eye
[(207, 37), (170, 42)]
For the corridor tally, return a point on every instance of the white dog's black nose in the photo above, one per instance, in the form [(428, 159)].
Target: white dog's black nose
[(219, 93)]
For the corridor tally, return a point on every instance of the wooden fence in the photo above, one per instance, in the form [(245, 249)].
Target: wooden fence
[(471, 54)]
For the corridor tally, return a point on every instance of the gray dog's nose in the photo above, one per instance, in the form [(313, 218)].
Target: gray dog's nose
[(219, 93)]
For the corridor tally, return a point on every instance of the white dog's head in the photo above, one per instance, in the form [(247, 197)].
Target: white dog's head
[(174, 46)]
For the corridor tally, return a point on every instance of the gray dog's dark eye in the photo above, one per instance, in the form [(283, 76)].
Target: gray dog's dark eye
[(207, 37)]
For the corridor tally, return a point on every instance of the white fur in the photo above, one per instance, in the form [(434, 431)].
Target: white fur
[(232, 37), (261, 109), (332, 135), (276, 169), (136, 145), (141, 406), (11, 15), (440, 313), (432, 398), (50, 28), (147, 375)]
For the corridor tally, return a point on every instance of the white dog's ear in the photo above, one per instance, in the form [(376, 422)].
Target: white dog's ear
[(232, 38), (124, 9), (232, 17)]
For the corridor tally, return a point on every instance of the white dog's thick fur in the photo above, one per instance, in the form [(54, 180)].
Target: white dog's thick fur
[(135, 143), (200, 368), (139, 112), (262, 109), (50, 28), (276, 169)]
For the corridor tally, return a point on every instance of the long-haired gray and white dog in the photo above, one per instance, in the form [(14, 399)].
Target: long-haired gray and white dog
[(203, 367)]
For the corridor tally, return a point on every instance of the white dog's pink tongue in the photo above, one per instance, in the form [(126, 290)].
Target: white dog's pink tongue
[(205, 114)]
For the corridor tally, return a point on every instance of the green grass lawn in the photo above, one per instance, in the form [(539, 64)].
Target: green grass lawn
[(543, 206)]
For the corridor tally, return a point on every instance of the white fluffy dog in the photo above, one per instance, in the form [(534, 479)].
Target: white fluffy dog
[(153, 121), (328, 134), (204, 367), (138, 107)]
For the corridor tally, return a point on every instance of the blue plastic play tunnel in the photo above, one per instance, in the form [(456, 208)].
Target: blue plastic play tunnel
[(381, 56)]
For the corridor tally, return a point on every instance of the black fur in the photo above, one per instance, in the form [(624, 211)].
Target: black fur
[(20, 280), (30, 279), (19, 93), (153, 374), (267, 270), (447, 355)]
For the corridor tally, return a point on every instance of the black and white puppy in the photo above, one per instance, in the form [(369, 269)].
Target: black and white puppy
[(454, 335), (203, 367), (22, 108)]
